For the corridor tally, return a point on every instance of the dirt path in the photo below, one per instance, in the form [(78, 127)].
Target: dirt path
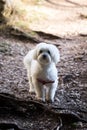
[(71, 94), (66, 18)]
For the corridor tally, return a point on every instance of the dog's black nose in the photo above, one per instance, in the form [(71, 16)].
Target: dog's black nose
[(44, 56)]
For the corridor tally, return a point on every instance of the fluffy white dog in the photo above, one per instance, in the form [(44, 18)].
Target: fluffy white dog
[(41, 69)]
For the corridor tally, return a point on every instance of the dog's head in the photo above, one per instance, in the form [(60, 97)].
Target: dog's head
[(46, 53)]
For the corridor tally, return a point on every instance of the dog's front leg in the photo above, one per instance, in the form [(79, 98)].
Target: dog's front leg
[(51, 91), (39, 90), (31, 86)]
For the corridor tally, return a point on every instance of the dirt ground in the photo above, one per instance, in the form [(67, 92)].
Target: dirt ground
[(71, 93), (72, 68)]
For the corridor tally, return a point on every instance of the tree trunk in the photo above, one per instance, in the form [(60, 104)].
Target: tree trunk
[(2, 3), (6, 9)]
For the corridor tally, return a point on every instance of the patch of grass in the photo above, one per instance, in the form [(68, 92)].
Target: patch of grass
[(76, 125)]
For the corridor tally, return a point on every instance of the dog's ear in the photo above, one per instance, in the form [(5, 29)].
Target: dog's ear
[(55, 54), (29, 57), (56, 57), (35, 54)]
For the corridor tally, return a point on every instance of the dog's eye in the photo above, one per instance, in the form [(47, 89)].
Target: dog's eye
[(48, 52), (41, 51)]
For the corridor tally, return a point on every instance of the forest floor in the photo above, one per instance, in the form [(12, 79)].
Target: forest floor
[(72, 89)]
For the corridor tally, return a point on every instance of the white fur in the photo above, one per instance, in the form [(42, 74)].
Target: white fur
[(44, 68)]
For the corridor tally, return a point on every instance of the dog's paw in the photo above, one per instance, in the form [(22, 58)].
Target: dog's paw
[(32, 92), (40, 99), (49, 101)]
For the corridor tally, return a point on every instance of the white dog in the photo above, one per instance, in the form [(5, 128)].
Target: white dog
[(41, 69)]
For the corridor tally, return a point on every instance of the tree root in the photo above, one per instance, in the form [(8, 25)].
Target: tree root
[(12, 109)]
